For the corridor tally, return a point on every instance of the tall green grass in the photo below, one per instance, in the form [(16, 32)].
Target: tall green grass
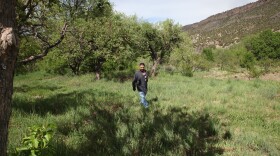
[(187, 116)]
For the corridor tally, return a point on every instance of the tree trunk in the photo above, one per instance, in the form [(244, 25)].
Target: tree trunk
[(97, 75), (8, 55), (154, 67)]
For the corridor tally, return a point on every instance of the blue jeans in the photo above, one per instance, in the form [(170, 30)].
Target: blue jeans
[(143, 99)]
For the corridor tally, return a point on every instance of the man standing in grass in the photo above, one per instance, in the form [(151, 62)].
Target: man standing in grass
[(141, 82)]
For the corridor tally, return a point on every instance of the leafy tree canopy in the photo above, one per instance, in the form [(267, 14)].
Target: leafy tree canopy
[(266, 45)]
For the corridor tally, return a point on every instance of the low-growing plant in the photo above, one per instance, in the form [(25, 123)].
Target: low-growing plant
[(248, 61), (187, 70), (36, 142)]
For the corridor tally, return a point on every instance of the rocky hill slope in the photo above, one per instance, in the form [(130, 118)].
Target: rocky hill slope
[(229, 27)]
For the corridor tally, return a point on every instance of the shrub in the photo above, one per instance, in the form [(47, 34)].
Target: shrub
[(208, 54), (187, 70), (37, 141), (265, 45), (248, 61)]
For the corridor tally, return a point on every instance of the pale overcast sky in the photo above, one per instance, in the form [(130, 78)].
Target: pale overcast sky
[(181, 11)]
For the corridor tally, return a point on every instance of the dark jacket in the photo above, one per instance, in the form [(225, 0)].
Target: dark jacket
[(140, 81)]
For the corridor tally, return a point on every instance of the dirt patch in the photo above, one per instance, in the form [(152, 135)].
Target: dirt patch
[(241, 76), (271, 76), (218, 74)]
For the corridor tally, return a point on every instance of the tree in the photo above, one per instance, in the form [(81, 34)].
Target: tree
[(92, 43), (266, 45), (91, 35), (183, 57), (160, 40), (115, 41), (34, 18), (8, 54)]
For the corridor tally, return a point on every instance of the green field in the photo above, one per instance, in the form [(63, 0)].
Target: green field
[(187, 116)]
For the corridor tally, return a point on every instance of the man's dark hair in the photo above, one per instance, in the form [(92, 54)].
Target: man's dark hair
[(142, 64)]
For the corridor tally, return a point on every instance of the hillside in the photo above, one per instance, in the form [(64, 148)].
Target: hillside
[(229, 27)]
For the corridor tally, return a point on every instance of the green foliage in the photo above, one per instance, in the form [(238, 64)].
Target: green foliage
[(95, 35), (159, 40), (269, 65), (248, 61), (54, 63), (255, 72), (208, 54), (201, 64), (265, 46), (37, 140), (32, 12), (99, 8), (28, 47), (237, 56), (39, 26), (86, 9), (182, 57), (41, 21), (118, 71), (94, 42), (230, 59), (187, 70)]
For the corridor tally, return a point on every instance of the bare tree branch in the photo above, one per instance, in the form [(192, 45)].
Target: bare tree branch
[(42, 38), (48, 48)]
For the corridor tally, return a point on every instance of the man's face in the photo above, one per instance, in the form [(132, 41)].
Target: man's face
[(142, 68)]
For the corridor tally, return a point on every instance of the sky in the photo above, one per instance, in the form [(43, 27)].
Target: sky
[(183, 12)]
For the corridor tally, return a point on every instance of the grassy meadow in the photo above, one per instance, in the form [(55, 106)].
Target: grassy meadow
[(187, 115)]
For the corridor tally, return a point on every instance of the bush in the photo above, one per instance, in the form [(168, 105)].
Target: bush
[(248, 61), (265, 45), (37, 141), (230, 59), (187, 70), (208, 54)]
